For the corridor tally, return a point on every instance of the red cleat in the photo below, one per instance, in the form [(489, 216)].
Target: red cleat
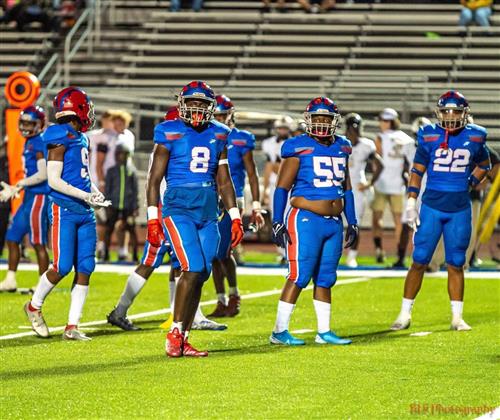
[(219, 311), (190, 351), (173, 345), (233, 305)]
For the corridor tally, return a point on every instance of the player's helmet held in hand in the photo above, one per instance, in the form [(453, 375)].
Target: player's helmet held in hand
[(32, 121), (196, 103), (225, 107), (73, 101), (354, 121), (321, 107), (452, 110)]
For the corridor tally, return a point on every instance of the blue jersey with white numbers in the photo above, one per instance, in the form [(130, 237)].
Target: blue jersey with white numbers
[(33, 146), (322, 168), (239, 143), (449, 168), (75, 164)]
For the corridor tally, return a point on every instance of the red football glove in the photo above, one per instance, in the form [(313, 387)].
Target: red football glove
[(236, 232), (155, 233)]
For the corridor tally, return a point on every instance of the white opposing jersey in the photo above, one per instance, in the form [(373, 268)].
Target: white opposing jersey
[(361, 151), (272, 149), (396, 148)]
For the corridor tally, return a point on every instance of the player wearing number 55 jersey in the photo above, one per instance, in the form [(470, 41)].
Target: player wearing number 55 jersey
[(191, 154), (315, 167), (448, 152), (71, 214)]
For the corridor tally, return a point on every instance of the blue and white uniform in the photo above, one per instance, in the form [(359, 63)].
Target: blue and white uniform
[(446, 208), (73, 221), (190, 206), (31, 217), (239, 143), (316, 240)]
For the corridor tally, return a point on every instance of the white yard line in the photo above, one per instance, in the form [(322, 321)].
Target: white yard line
[(166, 311), (278, 271)]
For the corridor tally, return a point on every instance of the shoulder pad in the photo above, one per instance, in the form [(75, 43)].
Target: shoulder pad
[(429, 133), (477, 133), (57, 133)]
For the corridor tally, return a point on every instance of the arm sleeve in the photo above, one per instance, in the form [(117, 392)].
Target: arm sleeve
[(101, 147), (54, 170), (37, 177)]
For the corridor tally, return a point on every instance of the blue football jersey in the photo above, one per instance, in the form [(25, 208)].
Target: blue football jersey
[(194, 156), (322, 168), (75, 163), (239, 143), (33, 146)]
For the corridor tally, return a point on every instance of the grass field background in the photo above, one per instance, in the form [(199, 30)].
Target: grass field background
[(126, 375)]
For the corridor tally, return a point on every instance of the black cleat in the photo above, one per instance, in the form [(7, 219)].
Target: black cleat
[(121, 322), (399, 264)]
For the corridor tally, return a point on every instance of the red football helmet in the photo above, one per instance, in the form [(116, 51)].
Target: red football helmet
[(32, 121), (74, 101), (172, 114)]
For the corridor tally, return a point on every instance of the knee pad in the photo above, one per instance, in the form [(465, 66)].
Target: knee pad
[(422, 255), (456, 258), (86, 265), (63, 269)]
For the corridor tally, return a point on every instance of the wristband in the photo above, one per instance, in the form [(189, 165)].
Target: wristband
[(256, 206), (416, 171), (152, 212), (223, 162), (414, 190), (349, 209), (280, 199), (234, 213), (485, 168), (473, 181)]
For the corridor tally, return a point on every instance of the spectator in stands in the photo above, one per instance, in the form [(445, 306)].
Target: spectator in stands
[(280, 3), (122, 190), (26, 12), (397, 150), (196, 5), (479, 10), (315, 6)]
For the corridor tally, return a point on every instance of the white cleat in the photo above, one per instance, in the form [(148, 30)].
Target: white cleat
[(8, 285), (460, 325), (73, 334), (37, 322), (208, 324), (402, 323), (351, 262)]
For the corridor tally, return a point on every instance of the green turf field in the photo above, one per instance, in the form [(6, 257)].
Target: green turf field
[(126, 375)]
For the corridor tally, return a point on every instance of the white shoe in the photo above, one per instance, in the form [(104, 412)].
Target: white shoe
[(351, 262), (37, 322), (75, 335), (208, 324), (402, 322), (460, 325), (8, 285)]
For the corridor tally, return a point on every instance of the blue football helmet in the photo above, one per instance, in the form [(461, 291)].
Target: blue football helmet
[(196, 115), (325, 107), (225, 107), (32, 121), (452, 110)]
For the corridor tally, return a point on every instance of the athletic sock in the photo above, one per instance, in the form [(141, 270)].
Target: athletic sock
[(283, 316), (42, 290), (378, 242), (11, 276), (135, 283), (221, 297), (407, 305), (352, 254), (233, 291), (198, 316), (457, 308), (177, 325), (323, 311), (123, 252), (78, 296)]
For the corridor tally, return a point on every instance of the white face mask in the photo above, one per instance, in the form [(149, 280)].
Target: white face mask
[(450, 119)]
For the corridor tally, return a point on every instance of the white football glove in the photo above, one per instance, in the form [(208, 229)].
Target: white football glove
[(411, 213), (8, 191), (97, 199)]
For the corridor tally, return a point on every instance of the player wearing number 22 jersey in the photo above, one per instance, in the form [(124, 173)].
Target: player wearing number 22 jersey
[(315, 168), (191, 155), (448, 152)]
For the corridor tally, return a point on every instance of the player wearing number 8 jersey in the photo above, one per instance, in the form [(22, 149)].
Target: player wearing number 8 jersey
[(191, 154), (72, 197), (315, 167), (447, 151)]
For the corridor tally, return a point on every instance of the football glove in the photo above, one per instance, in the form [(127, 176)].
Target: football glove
[(237, 232), (8, 191), (155, 233), (281, 237), (411, 213), (351, 235), (97, 199), (257, 220)]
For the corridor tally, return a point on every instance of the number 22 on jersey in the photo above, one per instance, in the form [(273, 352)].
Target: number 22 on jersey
[(451, 160)]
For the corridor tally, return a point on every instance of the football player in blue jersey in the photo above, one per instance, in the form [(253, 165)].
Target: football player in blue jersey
[(72, 198), (240, 144), (315, 168), (31, 216), (191, 154), (447, 152)]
